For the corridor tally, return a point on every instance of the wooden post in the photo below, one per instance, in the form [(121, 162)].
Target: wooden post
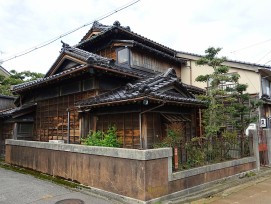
[(176, 159), (144, 135)]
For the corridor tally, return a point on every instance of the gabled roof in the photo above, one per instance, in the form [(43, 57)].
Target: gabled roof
[(79, 55), (89, 60), (117, 29), (164, 87)]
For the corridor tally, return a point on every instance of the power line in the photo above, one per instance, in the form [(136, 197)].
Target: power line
[(48, 42), (252, 45), (267, 62), (264, 56)]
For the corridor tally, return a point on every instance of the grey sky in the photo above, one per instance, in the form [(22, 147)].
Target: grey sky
[(189, 26)]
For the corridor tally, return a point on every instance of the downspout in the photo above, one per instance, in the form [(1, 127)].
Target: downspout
[(68, 125), (140, 119), (190, 67)]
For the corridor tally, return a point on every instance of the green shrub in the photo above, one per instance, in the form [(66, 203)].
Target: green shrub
[(105, 139)]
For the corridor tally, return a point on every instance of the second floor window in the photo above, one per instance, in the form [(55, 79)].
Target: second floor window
[(266, 87), (123, 56)]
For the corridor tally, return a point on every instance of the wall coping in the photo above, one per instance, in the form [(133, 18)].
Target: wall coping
[(208, 168), (135, 154)]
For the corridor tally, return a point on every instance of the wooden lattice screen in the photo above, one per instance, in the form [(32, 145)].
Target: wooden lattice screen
[(127, 125), (52, 118)]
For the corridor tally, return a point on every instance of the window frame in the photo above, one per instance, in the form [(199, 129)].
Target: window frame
[(125, 63)]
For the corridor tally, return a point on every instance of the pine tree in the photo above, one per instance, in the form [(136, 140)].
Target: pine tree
[(228, 105)]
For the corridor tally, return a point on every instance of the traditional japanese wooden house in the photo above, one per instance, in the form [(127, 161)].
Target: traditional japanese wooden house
[(113, 76)]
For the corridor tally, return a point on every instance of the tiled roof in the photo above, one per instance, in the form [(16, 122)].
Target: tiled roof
[(104, 29), (229, 60), (94, 59), (46, 79), (158, 87), (11, 111), (7, 112), (91, 59)]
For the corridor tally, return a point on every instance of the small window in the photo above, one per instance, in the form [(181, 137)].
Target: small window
[(266, 86), (123, 56)]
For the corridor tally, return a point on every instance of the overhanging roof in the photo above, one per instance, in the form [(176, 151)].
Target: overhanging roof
[(91, 61), (164, 88)]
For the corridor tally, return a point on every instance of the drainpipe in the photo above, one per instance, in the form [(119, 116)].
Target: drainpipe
[(68, 125), (190, 67), (140, 119)]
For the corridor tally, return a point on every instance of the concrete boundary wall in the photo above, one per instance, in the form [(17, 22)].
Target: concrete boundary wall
[(101, 151), (140, 176), (209, 168)]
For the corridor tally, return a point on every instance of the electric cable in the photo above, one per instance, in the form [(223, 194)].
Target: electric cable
[(48, 42)]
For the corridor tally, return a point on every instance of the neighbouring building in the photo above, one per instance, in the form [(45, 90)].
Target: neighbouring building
[(256, 76)]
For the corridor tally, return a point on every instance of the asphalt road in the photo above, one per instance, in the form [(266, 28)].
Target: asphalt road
[(16, 188)]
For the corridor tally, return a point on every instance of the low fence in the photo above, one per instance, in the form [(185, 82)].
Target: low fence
[(143, 176), (204, 151)]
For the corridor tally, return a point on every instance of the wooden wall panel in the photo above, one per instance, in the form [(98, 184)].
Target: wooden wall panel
[(127, 125), (154, 129), (52, 118), (6, 133), (109, 53), (147, 61)]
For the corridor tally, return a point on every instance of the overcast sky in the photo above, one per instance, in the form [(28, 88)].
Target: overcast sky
[(241, 27)]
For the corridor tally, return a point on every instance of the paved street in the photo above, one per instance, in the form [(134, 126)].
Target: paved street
[(249, 193), (16, 188)]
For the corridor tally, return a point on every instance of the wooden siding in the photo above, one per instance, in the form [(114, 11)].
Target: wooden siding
[(151, 129), (52, 118), (6, 133), (127, 125), (109, 52), (142, 60)]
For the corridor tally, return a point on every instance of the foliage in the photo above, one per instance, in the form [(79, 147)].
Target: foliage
[(195, 155), (174, 138), (228, 105), (16, 78), (100, 138)]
